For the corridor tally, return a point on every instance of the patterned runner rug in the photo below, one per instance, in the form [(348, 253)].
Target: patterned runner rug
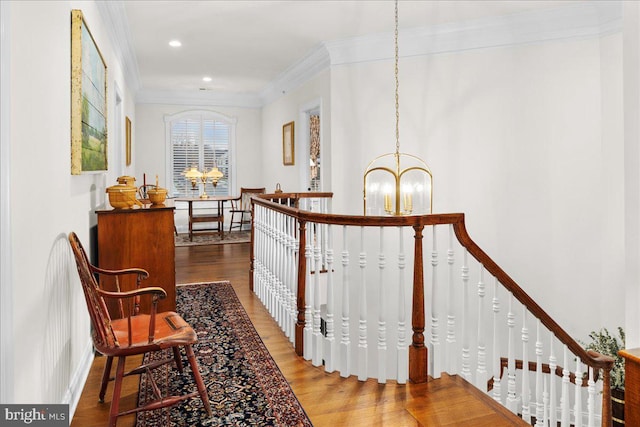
[(213, 239), (246, 387)]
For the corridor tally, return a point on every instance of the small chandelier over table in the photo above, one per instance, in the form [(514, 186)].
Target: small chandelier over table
[(397, 183)]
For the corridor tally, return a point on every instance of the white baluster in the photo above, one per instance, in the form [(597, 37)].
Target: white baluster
[(317, 334), (382, 324), (402, 349), (512, 401), (292, 284), (577, 409), (272, 243), (539, 378), (452, 353), (591, 402), (278, 269), (481, 369), (466, 365), (497, 366), (435, 354), (293, 277), (545, 401), (564, 400), (553, 398), (526, 410), (331, 346), (256, 251), (283, 272), (362, 308), (308, 308), (345, 342)]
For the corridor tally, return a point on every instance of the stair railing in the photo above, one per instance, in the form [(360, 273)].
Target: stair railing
[(350, 314)]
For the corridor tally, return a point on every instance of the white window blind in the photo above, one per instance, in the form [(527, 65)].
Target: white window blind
[(202, 142)]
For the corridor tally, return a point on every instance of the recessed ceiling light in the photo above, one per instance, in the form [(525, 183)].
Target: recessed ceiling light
[(206, 79), (175, 43)]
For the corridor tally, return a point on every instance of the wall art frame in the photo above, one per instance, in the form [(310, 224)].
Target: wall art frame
[(288, 144), (127, 136), (88, 100)]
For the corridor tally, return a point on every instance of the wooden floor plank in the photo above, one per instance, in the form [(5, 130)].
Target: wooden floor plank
[(328, 399)]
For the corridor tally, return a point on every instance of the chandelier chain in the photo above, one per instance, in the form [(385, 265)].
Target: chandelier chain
[(397, 84)]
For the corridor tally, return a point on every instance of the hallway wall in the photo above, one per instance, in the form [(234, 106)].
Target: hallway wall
[(47, 202)]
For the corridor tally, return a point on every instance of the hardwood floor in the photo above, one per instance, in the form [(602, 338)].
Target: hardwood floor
[(328, 399)]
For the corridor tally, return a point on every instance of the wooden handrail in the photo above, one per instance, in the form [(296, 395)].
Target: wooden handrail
[(418, 222)]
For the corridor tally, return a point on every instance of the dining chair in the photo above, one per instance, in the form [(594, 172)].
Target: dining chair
[(241, 205), (135, 333)]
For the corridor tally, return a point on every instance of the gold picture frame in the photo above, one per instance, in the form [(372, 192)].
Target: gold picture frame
[(88, 100), (288, 147), (127, 122)]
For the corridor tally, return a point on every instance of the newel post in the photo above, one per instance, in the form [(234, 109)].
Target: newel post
[(302, 277), (417, 350)]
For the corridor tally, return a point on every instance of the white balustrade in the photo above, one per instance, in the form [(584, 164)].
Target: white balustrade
[(479, 341)]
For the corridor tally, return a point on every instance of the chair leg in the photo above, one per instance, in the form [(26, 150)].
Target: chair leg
[(106, 373), (231, 222), (199, 382), (117, 388), (176, 356)]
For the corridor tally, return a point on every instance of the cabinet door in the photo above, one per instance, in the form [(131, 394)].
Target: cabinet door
[(143, 239)]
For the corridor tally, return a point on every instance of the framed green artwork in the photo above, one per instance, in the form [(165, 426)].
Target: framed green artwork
[(88, 100)]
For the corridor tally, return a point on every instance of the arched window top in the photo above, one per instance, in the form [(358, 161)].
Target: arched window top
[(207, 114)]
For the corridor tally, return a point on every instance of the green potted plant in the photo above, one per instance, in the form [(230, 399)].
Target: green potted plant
[(605, 343)]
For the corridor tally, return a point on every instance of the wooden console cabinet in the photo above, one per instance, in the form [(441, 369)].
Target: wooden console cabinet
[(141, 237)]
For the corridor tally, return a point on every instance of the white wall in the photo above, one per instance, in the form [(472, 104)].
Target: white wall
[(149, 146), (47, 202), (284, 110), (526, 141)]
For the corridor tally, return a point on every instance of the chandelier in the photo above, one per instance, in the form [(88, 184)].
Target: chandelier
[(397, 183)]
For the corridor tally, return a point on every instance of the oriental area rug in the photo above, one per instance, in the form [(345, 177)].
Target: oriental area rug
[(245, 386), (213, 239)]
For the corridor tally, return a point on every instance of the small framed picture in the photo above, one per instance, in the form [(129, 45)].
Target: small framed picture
[(127, 147), (288, 150)]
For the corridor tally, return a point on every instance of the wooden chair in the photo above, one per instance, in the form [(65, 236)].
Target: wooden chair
[(242, 205), (134, 333)]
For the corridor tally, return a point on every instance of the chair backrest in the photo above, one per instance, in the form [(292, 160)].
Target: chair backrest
[(103, 335), (143, 189), (246, 194)]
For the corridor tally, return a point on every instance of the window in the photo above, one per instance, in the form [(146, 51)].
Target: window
[(201, 139)]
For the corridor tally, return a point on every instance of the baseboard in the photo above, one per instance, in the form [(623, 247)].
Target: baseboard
[(72, 397)]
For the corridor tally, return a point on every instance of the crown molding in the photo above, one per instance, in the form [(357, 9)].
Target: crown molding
[(580, 20), (296, 75), (574, 21), (199, 98), (117, 27)]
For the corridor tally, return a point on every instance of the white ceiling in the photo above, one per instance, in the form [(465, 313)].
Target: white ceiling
[(245, 45)]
